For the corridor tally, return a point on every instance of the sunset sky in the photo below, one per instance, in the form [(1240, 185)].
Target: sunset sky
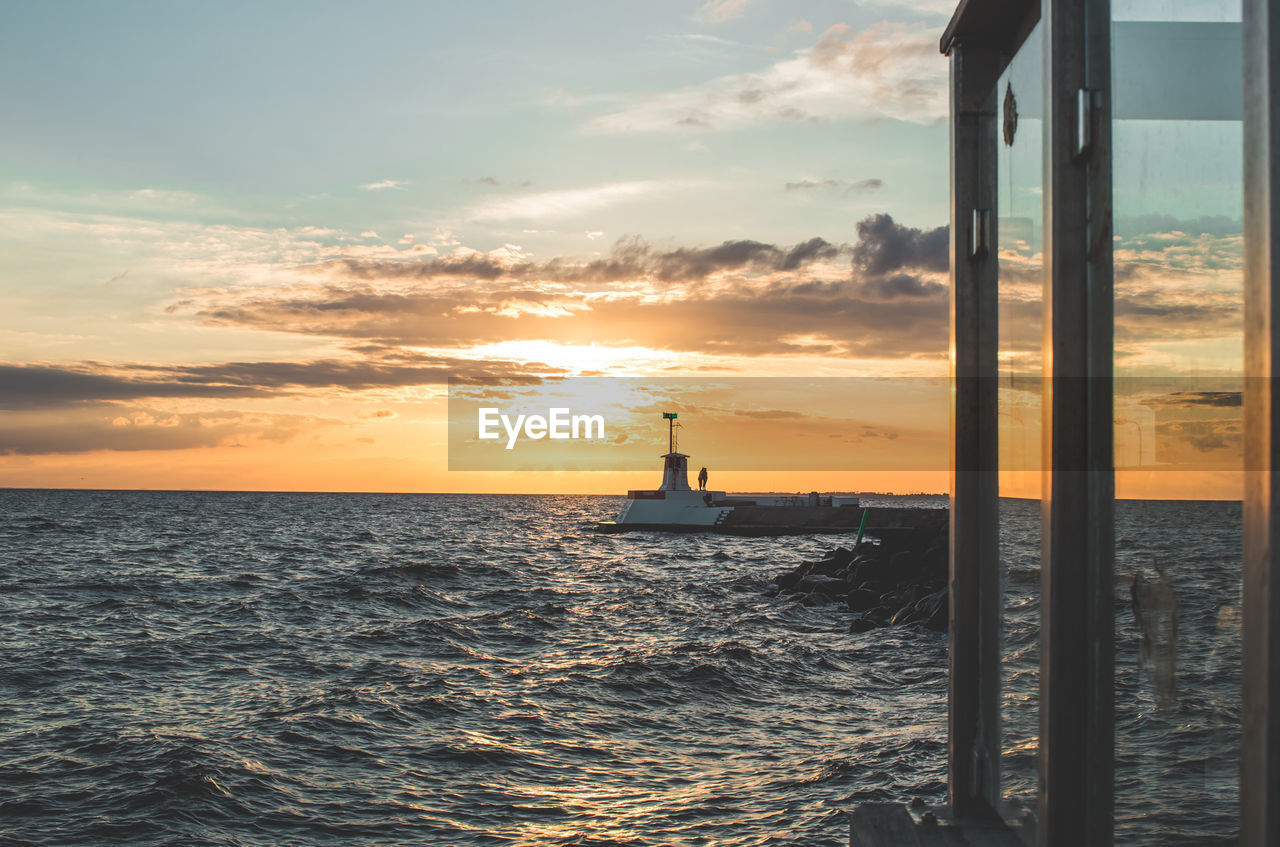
[(245, 246)]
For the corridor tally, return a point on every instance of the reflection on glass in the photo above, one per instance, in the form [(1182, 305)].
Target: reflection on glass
[(1178, 295), (1020, 308)]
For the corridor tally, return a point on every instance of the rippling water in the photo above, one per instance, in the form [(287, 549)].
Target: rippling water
[(184, 668), (1177, 761)]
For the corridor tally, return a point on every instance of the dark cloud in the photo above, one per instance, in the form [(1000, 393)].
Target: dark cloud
[(876, 318), (903, 286), (1194, 399), (138, 429), (34, 386), (890, 305), (631, 258), (885, 246), (46, 386), (1188, 442), (475, 266)]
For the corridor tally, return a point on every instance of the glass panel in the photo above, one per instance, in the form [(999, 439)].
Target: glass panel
[(1179, 290), (1021, 303)]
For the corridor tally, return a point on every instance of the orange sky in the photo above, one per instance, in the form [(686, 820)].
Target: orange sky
[(225, 288)]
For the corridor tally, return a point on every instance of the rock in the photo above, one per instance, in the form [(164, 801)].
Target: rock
[(936, 563), (902, 579), (939, 616), (788, 579), (901, 616), (824, 568), (880, 614), (860, 599), (840, 557), (905, 565), (873, 570), (862, 624), (825, 584)]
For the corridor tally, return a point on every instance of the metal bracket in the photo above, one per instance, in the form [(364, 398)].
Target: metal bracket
[(980, 234)]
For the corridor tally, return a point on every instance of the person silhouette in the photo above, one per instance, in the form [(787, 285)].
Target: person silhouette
[(702, 480)]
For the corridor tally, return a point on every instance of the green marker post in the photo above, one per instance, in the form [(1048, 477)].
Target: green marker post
[(861, 527)]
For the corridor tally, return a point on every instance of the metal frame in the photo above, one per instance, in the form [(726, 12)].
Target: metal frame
[(1077, 675), (1077, 737), (981, 38), (1076, 678), (1260, 692), (973, 712)]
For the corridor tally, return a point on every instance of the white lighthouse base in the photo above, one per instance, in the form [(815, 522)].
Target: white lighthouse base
[(662, 508)]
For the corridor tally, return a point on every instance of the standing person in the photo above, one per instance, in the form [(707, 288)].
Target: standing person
[(702, 480)]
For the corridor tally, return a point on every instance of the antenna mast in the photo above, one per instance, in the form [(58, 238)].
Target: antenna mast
[(670, 418)]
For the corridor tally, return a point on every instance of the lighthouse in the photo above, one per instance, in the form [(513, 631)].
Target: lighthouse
[(675, 507), (675, 465)]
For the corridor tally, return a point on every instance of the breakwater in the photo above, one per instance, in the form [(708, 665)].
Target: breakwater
[(896, 575)]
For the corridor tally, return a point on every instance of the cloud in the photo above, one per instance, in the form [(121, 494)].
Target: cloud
[(739, 297), (769, 414), (26, 387), (1193, 442), (176, 249), (630, 259), (376, 414), (719, 11), (566, 202), (383, 185), (885, 246), (35, 386), (885, 71), (1175, 281), (858, 187), (1194, 399), (1156, 223), (144, 429), (940, 8)]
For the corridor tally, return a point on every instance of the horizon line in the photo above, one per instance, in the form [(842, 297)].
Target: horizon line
[(547, 493)]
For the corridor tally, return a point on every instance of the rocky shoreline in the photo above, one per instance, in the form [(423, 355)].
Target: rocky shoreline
[(896, 576)]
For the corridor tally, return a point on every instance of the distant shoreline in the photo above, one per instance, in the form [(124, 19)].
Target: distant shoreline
[(528, 494)]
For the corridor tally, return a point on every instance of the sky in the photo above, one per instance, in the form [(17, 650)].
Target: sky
[(247, 246)]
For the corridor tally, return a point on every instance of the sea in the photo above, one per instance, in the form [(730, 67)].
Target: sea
[(183, 668)]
